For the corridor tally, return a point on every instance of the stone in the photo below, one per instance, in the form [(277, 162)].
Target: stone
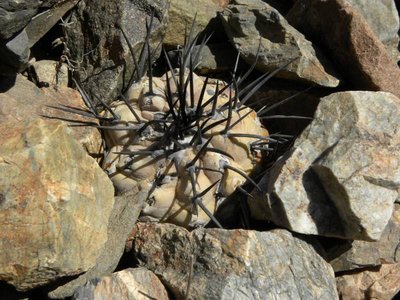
[(14, 54), (380, 283), (369, 254), (128, 284), (55, 204), (342, 177), (253, 25), (181, 14), (123, 217), (232, 264), (383, 18), (104, 63), (24, 101), (360, 56), (49, 72)]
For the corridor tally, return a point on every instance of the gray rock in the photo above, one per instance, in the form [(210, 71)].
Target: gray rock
[(98, 51), (128, 284), (123, 217), (253, 23), (342, 176), (14, 54), (369, 254), (55, 204), (233, 264)]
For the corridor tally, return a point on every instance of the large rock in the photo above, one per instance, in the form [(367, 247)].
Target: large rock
[(233, 264), (251, 24), (55, 204), (14, 54), (342, 176), (359, 54), (98, 50), (380, 283), (369, 254), (181, 14), (128, 284)]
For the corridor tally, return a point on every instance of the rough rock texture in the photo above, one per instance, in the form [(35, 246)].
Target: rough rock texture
[(381, 283), (55, 204), (233, 264), (251, 22), (368, 254), (181, 14), (383, 18), (98, 49), (48, 72), (123, 218), (128, 284), (359, 55), (14, 54), (342, 176), (26, 102)]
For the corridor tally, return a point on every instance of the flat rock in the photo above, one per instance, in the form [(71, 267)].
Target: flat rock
[(359, 54), (232, 264), (253, 25), (14, 54), (342, 176), (98, 50), (128, 284), (55, 204), (380, 283), (369, 254)]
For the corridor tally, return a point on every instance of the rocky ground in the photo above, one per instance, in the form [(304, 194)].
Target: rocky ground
[(325, 220)]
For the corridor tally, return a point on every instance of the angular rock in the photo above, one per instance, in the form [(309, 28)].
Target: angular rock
[(381, 283), (98, 49), (128, 284), (232, 264), (49, 72), (26, 102), (181, 14), (55, 204), (253, 24), (342, 176), (359, 54), (14, 54), (123, 217), (369, 254)]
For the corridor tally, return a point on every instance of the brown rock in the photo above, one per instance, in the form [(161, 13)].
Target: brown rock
[(358, 52), (128, 284), (380, 283)]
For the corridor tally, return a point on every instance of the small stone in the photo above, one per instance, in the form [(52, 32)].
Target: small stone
[(50, 72), (128, 284)]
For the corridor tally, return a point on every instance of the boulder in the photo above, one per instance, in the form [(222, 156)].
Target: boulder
[(379, 283), (232, 264), (128, 284), (14, 54), (369, 254), (55, 204), (98, 50), (358, 53), (341, 178), (254, 25)]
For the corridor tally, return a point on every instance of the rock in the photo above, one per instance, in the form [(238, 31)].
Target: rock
[(381, 283), (181, 14), (97, 46), (55, 204), (359, 55), (128, 284), (123, 218), (342, 176), (383, 18), (370, 254), (251, 22), (26, 102), (42, 22), (14, 54), (48, 72), (232, 264)]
